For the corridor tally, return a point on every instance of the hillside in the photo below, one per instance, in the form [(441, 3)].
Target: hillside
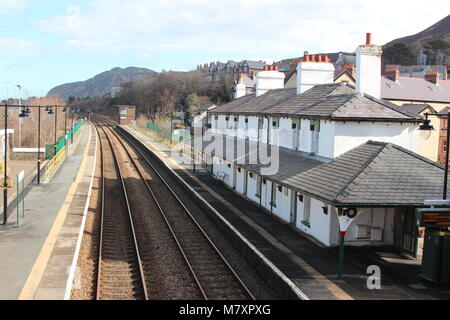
[(416, 42), (101, 84)]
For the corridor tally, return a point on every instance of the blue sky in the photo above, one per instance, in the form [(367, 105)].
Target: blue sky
[(44, 43)]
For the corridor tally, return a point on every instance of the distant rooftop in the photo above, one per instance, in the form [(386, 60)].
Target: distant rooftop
[(336, 101)]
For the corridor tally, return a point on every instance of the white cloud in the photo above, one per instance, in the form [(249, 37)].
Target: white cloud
[(11, 6), (14, 47), (237, 28)]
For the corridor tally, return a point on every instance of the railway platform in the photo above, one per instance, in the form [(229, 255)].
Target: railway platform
[(37, 256), (311, 267)]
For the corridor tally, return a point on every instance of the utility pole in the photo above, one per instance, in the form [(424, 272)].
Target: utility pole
[(71, 130), (39, 147), (56, 121), (65, 130), (5, 176)]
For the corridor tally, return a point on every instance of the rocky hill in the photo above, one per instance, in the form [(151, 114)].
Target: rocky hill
[(101, 84), (416, 42)]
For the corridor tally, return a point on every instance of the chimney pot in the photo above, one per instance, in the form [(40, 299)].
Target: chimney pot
[(368, 38), (432, 76), (392, 73)]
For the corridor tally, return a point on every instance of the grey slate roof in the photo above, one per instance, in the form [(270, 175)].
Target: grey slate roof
[(415, 89), (416, 109), (372, 174), (254, 64), (335, 101)]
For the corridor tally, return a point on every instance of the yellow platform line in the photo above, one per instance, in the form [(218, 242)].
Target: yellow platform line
[(34, 278)]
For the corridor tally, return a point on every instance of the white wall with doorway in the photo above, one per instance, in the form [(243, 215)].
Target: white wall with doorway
[(282, 201)]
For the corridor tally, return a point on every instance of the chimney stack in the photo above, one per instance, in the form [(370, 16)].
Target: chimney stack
[(240, 88), (368, 68), (432, 76), (392, 73), (313, 70), (268, 79)]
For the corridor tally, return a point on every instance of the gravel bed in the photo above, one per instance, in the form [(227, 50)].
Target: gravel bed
[(254, 282), (167, 277), (86, 285)]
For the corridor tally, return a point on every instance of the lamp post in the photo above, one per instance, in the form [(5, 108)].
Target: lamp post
[(426, 126), (39, 147), (5, 176), (71, 127), (65, 130)]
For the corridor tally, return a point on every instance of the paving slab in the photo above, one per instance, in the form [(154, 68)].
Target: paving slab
[(22, 247)]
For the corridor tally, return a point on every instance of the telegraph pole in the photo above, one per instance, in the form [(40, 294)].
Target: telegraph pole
[(5, 176), (39, 147), (56, 121)]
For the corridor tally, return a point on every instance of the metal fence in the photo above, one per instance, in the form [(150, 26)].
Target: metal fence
[(57, 160), (162, 132), (50, 148)]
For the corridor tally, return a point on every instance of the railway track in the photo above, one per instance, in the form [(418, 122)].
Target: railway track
[(120, 273), (213, 275)]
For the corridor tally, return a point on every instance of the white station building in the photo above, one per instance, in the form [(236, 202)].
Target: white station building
[(333, 149)]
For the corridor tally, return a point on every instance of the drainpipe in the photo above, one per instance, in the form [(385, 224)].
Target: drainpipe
[(268, 129), (260, 192), (271, 197)]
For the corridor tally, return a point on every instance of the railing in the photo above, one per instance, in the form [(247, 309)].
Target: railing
[(57, 160), (53, 165)]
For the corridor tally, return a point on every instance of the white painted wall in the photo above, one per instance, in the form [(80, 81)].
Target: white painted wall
[(240, 179), (252, 188), (326, 139), (253, 128), (310, 74), (268, 80), (320, 222), (305, 136), (352, 134), (368, 70), (285, 133), (240, 90), (283, 204)]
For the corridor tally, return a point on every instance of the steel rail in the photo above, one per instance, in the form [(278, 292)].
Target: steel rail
[(189, 214), (135, 243)]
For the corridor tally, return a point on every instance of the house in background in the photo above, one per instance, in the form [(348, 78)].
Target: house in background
[(214, 70), (429, 91), (341, 148), (419, 71), (199, 118)]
